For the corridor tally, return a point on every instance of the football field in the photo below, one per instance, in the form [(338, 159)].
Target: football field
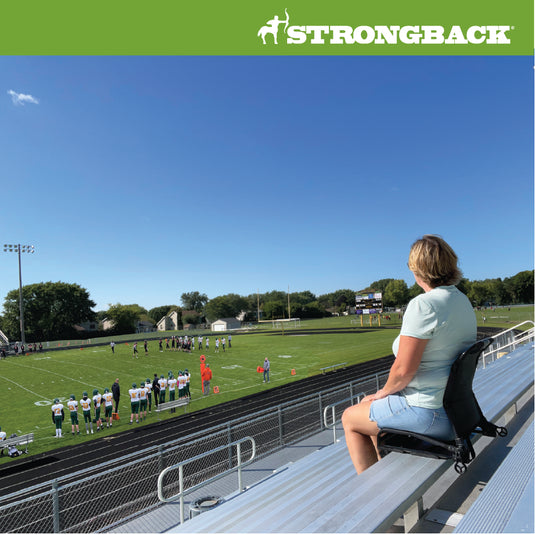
[(31, 382)]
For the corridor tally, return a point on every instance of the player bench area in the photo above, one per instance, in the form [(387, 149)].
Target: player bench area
[(323, 494), (22, 440), (333, 367), (181, 402)]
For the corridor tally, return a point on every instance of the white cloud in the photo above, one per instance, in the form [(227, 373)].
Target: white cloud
[(21, 99)]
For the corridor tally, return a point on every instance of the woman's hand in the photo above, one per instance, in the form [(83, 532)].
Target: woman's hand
[(373, 397)]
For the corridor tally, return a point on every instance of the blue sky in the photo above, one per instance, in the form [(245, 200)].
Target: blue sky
[(141, 178)]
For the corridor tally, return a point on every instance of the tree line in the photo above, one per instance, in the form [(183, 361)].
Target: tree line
[(55, 310)]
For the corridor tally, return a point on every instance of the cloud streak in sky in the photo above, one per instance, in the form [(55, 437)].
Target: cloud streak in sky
[(19, 99)]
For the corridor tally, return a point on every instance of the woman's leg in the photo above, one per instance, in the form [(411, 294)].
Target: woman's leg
[(361, 436)]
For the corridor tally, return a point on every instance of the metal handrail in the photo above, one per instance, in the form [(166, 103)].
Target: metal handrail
[(180, 467), (333, 406), (516, 327), (521, 338)]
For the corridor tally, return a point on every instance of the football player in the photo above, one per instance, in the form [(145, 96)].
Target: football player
[(85, 402), (107, 399), (58, 416), (73, 409), (97, 400), (134, 402)]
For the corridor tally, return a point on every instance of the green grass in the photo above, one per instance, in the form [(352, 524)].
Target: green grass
[(31, 382), (505, 317)]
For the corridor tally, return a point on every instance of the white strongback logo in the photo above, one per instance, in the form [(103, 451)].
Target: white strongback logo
[(384, 35), (272, 27)]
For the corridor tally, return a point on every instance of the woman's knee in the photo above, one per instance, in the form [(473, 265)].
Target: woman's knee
[(345, 418), (352, 416), (357, 419)]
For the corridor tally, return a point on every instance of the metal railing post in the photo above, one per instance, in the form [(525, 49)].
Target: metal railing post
[(55, 505), (238, 453), (160, 458), (181, 489), (334, 424), (320, 410), (281, 434), (229, 441)]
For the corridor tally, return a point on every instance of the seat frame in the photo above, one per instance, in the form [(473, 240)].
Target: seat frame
[(463, 411)]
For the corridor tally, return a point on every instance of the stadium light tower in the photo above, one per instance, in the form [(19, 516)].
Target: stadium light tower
[(20, 249)]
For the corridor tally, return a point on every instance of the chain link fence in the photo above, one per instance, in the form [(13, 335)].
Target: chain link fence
[(106, 495)]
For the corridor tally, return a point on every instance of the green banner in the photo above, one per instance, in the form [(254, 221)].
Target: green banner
[(292, 27)]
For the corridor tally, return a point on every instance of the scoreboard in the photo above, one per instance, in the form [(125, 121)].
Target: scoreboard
[(370, 303)]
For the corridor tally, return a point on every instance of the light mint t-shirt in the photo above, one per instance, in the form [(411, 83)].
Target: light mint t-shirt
[(446, 318)]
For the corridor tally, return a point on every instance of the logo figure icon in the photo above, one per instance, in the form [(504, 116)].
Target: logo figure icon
[(272, 27)]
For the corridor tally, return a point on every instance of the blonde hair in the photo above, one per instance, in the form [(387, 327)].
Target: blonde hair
[(433, 261)]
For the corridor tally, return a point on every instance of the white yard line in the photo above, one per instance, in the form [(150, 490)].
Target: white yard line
[(23, 388), (54, 373)]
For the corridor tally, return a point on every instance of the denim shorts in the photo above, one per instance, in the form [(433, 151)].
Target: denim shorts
[(394, 412)]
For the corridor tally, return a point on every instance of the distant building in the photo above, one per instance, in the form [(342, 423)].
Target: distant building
[(87, 326), (225, 324), (139, 326), (170, 322), (144, 326), (107, 324)]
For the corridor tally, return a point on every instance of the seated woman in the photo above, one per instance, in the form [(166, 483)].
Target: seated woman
[(437, 326)]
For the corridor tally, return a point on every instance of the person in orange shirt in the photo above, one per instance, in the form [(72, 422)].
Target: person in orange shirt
[(206, 378)]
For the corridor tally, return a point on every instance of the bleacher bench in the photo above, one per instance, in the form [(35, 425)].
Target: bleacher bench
[(181, 402), (322, 493), (511, 487), (22, 440), (333, 367)]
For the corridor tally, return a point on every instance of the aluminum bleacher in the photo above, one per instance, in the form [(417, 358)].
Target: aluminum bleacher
[(512, 486), (322, 493)]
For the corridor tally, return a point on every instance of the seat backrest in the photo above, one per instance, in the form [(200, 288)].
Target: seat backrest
[(459, 401)]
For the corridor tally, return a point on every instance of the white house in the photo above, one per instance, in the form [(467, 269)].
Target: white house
[(107, 324), (225, 324), (169, 322)]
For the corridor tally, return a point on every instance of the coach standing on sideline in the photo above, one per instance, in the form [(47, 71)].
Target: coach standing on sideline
[(116, 391), (156, 389), (206, 377), (266, 370)]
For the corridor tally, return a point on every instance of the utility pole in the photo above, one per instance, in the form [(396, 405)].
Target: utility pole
[(289, 314), (18, 248)]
